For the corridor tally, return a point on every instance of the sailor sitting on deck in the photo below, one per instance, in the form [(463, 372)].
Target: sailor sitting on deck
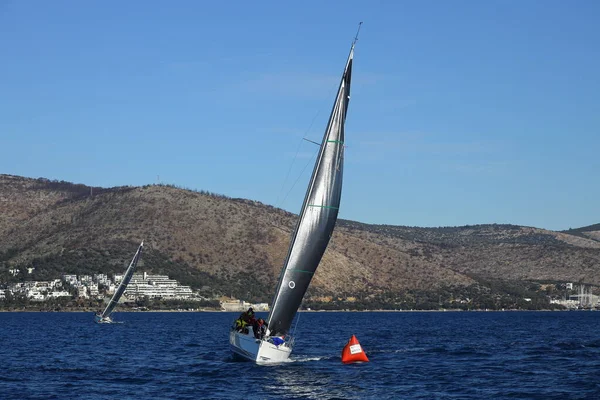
[(260, 328), (248, 316), (241, 325)]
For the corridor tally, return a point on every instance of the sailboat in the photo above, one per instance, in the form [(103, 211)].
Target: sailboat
[(104, 317), (309, 240)]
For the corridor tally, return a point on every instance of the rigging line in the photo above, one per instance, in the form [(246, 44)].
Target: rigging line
[(312, 141), (296, 325), (299, 176), (280, 204), (324, 101), (277, 203)]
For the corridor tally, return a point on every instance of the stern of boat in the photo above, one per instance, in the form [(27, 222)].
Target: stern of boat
[(99, 320), (247, 347)]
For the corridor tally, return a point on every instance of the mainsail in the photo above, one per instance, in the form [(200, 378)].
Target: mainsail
[(317, 217), (128, 274)]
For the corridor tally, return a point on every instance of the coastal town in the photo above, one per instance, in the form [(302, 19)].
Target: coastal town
[(99, 287), (145, 289)]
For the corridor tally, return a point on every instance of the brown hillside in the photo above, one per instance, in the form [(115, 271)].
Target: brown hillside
[(47, 223)]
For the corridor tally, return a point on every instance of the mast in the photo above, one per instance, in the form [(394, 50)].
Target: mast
[(318, 213), (123, 285)]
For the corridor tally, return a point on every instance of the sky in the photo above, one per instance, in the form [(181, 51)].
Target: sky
[(461, 113)]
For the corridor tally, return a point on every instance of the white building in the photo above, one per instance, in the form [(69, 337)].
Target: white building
[(183, 292), (35, 295), (102, 279), (110, 289), (82, 292), (70, 279), (35, 289), (566, 303), (42, 285), (93, 289), (585, 300), (156, 286), (261, 307), (61, 293), (240, 305)]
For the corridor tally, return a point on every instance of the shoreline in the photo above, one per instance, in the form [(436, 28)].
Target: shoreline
[(302, 311)]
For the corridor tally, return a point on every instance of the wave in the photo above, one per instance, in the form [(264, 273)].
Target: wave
[(309, 359)]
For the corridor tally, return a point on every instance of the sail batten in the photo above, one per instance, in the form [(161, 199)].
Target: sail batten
[(123, 285), (317, 216)]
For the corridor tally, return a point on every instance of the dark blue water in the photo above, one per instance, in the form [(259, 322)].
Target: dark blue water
[(452, 355)]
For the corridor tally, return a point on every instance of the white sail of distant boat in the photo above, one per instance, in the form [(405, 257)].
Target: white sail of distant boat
[(310, 238), (104, 317)]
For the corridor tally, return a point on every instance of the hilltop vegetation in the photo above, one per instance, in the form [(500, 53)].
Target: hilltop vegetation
[(591, 232), (237, 247)]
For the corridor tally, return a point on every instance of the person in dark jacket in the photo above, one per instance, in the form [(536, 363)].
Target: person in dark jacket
[(248, 316), (260, 328)]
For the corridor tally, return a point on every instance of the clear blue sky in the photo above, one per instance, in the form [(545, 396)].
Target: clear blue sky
[(462, 112)]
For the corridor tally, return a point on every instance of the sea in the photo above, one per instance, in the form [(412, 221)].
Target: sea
[(413, 355)]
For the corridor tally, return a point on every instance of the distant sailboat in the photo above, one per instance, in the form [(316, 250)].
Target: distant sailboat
[(310, 238), (104, 317)]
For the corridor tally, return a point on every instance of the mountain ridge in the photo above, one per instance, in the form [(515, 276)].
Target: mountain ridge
[(238, 246)]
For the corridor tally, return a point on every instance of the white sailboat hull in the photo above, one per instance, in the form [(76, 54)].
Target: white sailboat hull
[(246, 346), (99, 320)]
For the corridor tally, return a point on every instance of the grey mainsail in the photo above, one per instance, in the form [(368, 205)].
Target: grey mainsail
[(123, 285), (317, 217)]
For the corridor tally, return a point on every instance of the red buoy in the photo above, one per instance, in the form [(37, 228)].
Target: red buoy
[(353, 352)]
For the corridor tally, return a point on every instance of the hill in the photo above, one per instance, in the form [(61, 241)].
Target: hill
[(237, 246), (591, 231)]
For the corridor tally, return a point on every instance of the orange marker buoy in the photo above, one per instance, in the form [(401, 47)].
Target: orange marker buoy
[(353, 352)]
